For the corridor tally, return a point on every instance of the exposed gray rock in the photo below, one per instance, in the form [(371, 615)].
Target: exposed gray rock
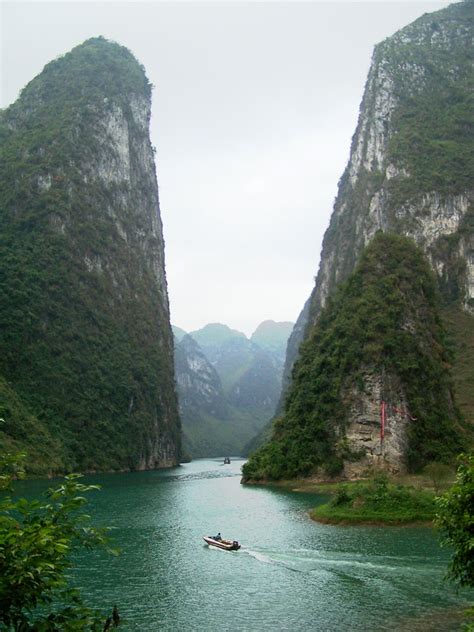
[(81, 173), (363, 433), (199, 386), (400, 69)]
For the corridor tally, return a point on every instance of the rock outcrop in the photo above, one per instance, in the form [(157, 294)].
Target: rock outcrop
[(199, 385), (410, 167), (372, 386), (363, 432), (85, 335), (409, 174)]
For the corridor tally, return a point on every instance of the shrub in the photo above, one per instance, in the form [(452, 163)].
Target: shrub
[(37, 542), (455, 521)]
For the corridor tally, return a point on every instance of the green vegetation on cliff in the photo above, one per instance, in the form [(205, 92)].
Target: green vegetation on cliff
[(410, 170), (85, 340), (386, 318), (433, 121), (460, 326), (21, 430)]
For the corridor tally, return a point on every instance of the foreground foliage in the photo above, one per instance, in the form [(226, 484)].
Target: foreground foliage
[(37, 542), (377, 501), (455, 520)]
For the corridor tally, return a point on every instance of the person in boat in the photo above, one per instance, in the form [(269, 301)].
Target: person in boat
[(217, 537)]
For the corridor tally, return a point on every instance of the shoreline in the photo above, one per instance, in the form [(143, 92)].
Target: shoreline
[(417, 485)]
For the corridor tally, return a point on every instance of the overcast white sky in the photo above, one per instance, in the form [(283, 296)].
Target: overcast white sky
[(254, 108)]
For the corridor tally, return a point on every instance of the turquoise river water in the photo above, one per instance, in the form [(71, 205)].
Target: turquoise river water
[(290, 574)]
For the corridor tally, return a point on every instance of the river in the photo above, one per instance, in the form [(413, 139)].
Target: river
[(290, 574)]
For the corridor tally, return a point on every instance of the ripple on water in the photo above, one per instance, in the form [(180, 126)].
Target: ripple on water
[(291, 573)]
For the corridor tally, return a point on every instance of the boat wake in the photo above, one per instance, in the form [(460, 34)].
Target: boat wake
[(271, 558), (261, 557), (307, 561)]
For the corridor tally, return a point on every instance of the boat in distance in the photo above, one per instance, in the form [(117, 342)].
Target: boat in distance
[(226, 545)]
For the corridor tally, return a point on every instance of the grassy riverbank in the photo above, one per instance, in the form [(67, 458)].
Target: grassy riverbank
[(393, 500), (376, 501)]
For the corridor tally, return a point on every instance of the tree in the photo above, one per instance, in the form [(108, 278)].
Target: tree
[(455, 520), (438, 473), (37, 540)]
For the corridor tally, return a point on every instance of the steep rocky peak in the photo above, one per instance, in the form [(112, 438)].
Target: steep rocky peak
[(80, 210), (192, 367), (98, 69), (215, 334), (411, 162)]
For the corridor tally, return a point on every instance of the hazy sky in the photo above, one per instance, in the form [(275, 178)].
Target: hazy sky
[(254, 108)]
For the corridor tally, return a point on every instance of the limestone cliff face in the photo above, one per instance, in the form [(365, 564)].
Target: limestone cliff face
[(363, 432), (372, 386), (410, 175), (84, 310), (410, 167), (199, 386)]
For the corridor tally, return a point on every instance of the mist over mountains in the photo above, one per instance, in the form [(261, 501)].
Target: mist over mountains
[(228, 385)]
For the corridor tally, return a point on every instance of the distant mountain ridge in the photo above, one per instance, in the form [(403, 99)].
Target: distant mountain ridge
[(214, 334), (272, 336), (241, 378), (178, 333)]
